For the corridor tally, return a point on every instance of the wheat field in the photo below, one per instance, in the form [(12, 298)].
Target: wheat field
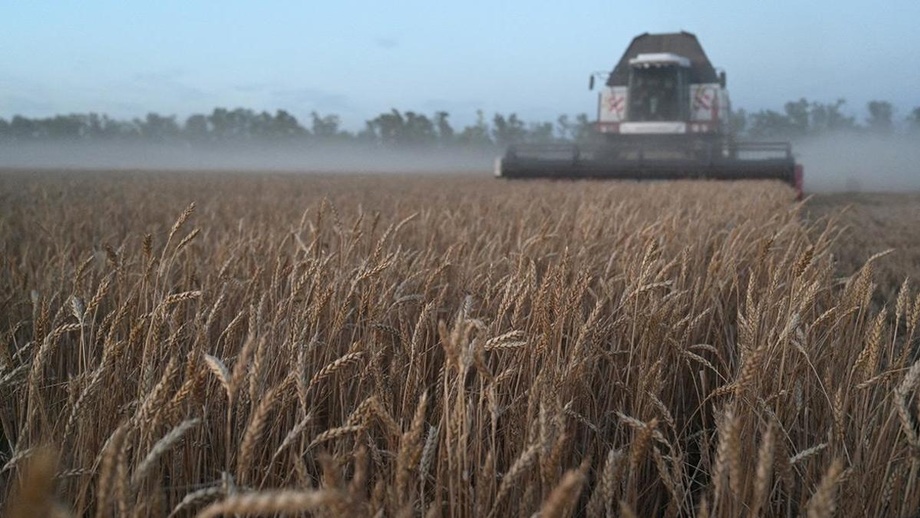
[(309, 345)]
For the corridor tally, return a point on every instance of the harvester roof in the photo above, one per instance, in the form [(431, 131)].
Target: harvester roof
[(683, 44)]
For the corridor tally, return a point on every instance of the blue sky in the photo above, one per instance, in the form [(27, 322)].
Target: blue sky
[(360, 58)]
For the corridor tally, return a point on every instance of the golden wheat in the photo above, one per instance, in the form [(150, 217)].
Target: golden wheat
[(446, 346)]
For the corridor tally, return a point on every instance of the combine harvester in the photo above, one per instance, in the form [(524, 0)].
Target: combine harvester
[(663, 114)]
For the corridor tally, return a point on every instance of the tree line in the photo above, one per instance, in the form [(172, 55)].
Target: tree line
[(804, 118), (396, 128)]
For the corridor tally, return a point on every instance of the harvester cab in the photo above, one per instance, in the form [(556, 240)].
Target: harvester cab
[(663, 113)]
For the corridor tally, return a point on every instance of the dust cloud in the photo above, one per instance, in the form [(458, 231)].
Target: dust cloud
[(860, 163), (330, 158), (834, 163)]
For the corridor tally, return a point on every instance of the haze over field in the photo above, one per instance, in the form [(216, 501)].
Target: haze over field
[(343, 158), (833, 163), (861, 163)]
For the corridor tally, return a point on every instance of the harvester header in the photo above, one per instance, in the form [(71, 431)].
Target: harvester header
[(663, 113)]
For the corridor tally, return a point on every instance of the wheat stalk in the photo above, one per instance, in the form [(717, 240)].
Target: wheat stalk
[(562, 498), (823, 503), (277, 502), (160, 447)]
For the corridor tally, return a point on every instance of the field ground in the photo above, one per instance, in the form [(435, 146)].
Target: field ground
[(873, 223), (448, 345)]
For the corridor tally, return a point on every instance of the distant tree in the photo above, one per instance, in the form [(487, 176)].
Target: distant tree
[(228, 125), (260, 126), (22, 128), (410, 129), (280, 126), (417, 130), (913, 120), (121, 129), (444, 129), (220, 124), (829, 117), (70, 126), (508, 131), (196, 128), (476, 135), (880, 116), (540, 132), (798, 115), (283, 124), (97, 125), (244, 123), (4, 128), (325, 126), (800, 118), (770, 124), (388, 128), (564, 128), (158, 128)]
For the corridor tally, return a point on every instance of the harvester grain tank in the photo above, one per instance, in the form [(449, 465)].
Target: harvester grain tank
[(663, 113)]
